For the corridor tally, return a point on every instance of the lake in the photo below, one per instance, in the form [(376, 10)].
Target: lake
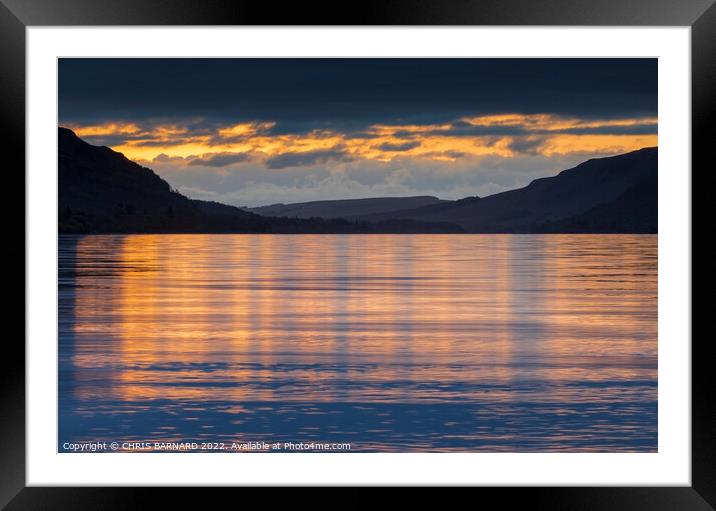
[(439, 343)]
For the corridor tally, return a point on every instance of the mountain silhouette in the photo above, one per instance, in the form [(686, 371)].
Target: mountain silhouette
[(101, 191), (612, 194)]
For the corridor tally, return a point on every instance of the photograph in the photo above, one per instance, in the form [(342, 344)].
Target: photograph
[(412, 244), (357, 255)]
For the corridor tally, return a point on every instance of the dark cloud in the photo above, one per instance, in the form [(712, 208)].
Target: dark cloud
[(526, 145), (219, 159), (638, 129), (302, 159), (362, 135), (514, 131), (447, 154), (460, 130), (454, 154), (464, 129), (109, 140), (349, 94), (407, 146), (165, 158), (164, 142)]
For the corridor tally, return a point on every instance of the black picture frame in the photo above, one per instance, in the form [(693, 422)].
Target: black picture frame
[(700, 15)]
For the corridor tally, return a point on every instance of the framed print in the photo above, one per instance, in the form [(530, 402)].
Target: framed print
[(444, 245)]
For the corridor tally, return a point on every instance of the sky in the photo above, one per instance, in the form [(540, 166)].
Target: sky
[(252, 132)]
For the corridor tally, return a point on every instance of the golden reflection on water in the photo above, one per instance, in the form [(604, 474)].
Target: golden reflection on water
[(503, 334)]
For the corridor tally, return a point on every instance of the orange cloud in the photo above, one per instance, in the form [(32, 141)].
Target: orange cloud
[(544, 134), (549, 122), (565, 144), (245, 129), (103, 130)]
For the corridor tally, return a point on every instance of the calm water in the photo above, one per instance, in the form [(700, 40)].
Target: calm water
[(387, 342)]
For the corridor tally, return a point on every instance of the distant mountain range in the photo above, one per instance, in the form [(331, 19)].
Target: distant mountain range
[(349, 209), (102, 191)]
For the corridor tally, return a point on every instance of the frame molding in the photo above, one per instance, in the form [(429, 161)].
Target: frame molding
[(700, 15)]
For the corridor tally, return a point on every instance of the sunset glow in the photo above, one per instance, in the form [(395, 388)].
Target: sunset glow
[(251, 132), (546, 135)]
